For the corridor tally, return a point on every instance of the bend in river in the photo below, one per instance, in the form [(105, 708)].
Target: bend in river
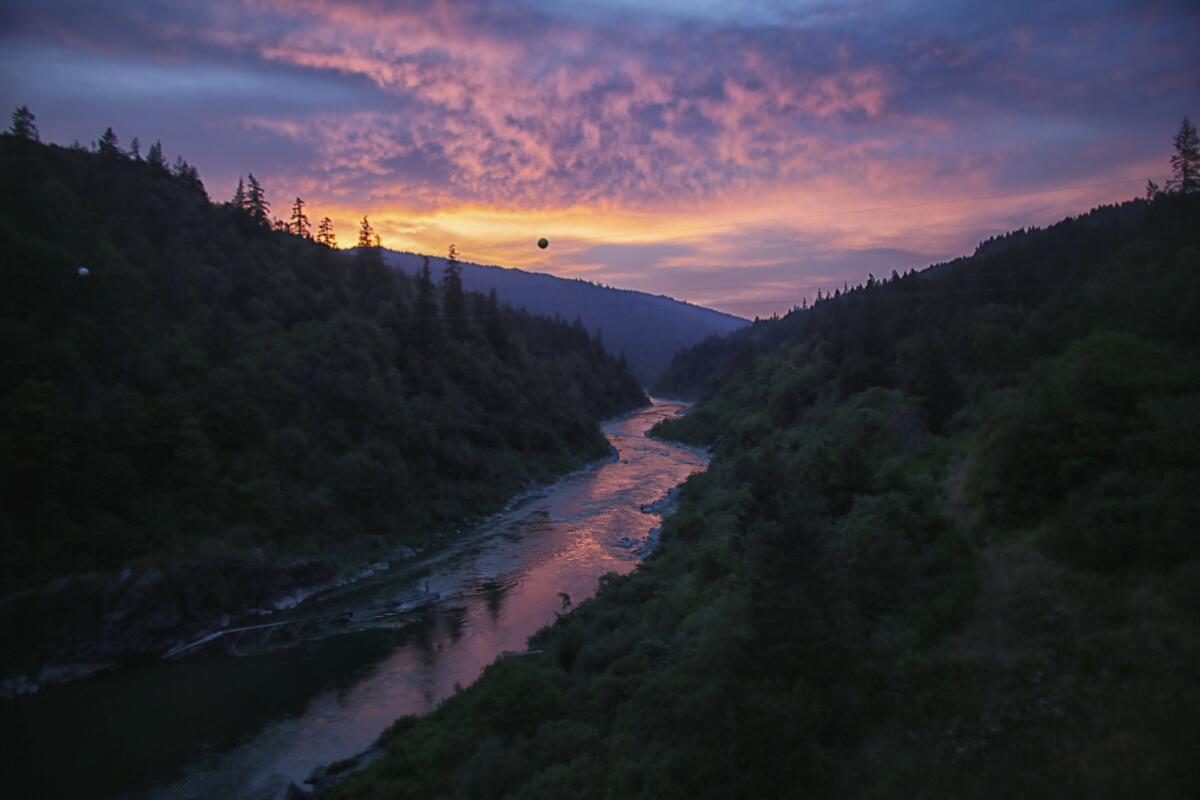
[(244, 726)]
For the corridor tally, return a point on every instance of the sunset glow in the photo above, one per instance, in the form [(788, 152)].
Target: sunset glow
[(741, 156)]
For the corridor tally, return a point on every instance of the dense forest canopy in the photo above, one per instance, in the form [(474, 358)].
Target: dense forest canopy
[(946, 548), (180, 377)]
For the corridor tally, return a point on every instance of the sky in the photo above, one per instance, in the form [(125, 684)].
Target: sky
[(739, 155)]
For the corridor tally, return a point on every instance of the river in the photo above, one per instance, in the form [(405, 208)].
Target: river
[(245, 725)]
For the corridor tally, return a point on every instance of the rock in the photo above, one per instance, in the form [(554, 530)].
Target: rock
[(15, 687), (77, 626)]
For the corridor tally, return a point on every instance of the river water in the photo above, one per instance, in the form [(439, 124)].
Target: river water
[(245, 725)]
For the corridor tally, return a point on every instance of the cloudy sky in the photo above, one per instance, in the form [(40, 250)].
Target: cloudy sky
[(736, 154)]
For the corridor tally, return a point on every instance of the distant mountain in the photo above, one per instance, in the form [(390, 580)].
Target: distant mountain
[(649, 329)]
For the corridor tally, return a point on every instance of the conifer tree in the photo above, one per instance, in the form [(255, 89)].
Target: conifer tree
[(155, 157), (186, 173), (493, 325), (108, 144), (256, 202), (366, 234), (426, 309), (325, 234), (24, 125), (239, 196), (453, 300), (135, 149), (1185, 164), (300, 225)]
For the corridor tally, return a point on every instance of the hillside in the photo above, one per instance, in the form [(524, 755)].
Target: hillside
[(648, 329), (179, 382), (946, 548)]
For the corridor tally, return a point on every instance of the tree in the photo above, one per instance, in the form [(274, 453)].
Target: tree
[(155, 158), (493, 325), (186, 173), (325, 234), (426, 310), (453, 301), (366, 234), (1185, 164), (239, 196), (24, 125), (256, 202), (300, 225), (1152, 191), (135, 149), (108, 144)]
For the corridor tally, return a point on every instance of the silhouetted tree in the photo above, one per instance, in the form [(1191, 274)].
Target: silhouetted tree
[(366, 234), (155, 157), (453, 302), (493, 326), (186, 173), (300, 225), (425, 308), (1185, 164), (24, 125), (108, 145), (1152, 191), (256, 202), (239, 196), (325, 234), (135, 149)]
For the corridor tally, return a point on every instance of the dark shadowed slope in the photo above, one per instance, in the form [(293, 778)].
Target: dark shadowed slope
[(945, 548), (649, 329)]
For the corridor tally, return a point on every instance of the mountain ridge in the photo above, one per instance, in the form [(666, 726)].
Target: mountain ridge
[(649, 329)]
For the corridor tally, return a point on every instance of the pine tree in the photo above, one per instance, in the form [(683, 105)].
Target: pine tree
[(135, 149), (186, 173), (256, 202), (453, 300), (300, 225), (493, 326), (155, 157), (24, 125), (325, 234), (426, 310), (1185, 164), (108, 144), (239, 196), (366, 234)]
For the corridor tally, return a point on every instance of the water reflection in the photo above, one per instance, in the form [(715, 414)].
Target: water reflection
[(330, 697)]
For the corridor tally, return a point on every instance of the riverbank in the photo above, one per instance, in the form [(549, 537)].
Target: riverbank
[(244, 727), (81, 625)]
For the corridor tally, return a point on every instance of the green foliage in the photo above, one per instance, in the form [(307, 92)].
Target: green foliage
[(945, 548), (213, 384)]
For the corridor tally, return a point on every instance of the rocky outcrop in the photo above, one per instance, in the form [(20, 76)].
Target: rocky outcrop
[(79, 625)]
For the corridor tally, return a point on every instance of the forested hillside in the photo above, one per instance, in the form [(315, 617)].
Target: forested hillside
[(180, 379), (646, 329), (946, 548)]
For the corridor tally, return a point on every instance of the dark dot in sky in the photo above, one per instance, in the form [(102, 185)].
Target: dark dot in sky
[(543, 243)]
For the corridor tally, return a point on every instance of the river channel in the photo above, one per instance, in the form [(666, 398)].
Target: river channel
[(244, 724)]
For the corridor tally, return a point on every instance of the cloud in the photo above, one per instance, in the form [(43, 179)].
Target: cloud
[(479, 119)]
